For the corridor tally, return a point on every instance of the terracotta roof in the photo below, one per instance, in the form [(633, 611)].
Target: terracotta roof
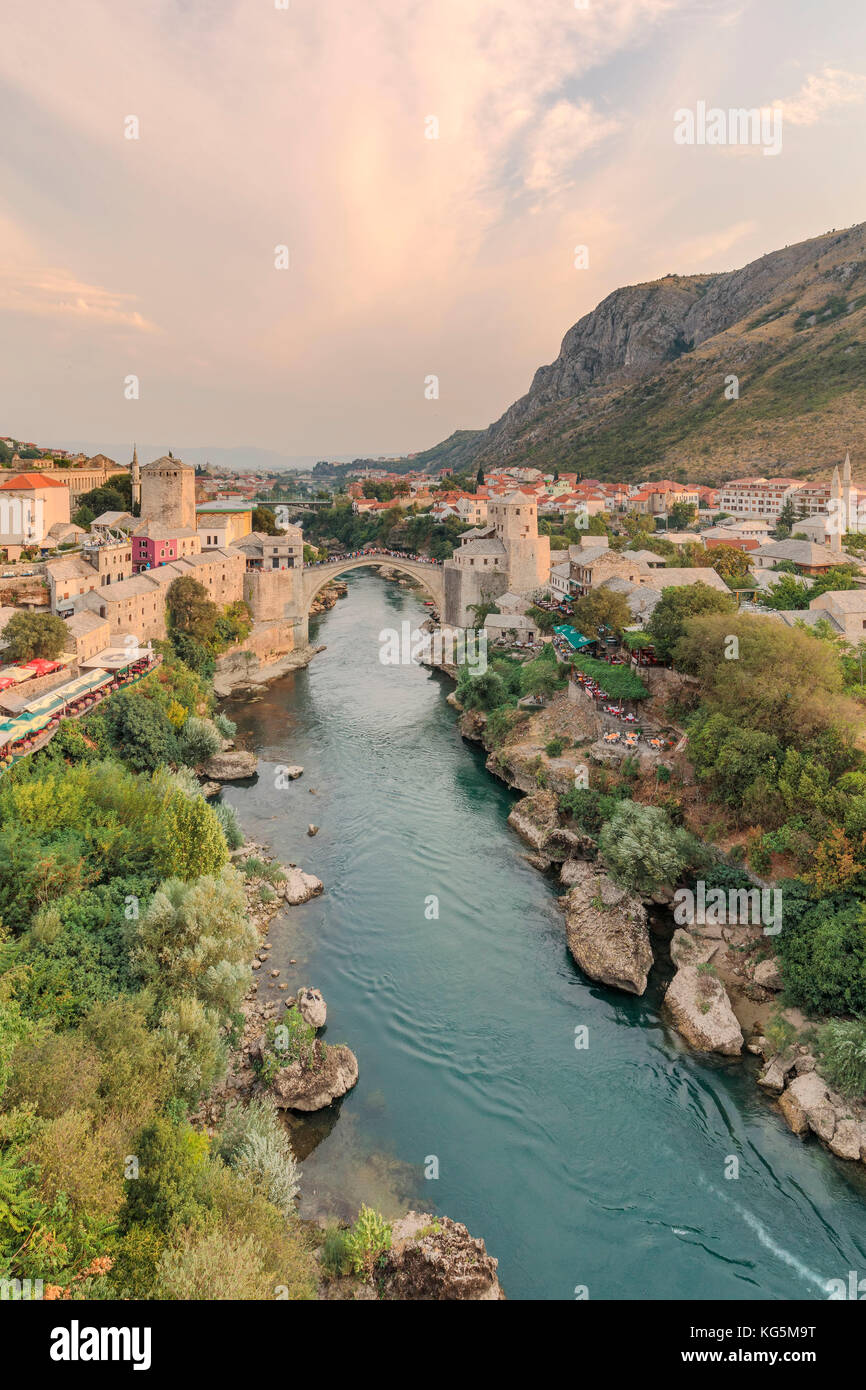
[(31, 480)]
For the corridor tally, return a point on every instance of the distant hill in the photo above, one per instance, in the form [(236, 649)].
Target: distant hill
[(638, 388)]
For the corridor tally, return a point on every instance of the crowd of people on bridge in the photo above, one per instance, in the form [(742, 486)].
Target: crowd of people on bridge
[(369, 554)]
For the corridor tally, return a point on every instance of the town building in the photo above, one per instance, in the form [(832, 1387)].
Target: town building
[(157, 543)]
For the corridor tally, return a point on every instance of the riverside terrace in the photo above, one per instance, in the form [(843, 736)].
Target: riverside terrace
[(39, 721)]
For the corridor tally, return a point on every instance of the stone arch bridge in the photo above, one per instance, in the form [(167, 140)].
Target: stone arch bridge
[(313, 578)]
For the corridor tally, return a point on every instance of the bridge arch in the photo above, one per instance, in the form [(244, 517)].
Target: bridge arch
[(430, 576)]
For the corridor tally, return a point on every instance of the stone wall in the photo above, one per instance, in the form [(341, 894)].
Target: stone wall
[(270, 594), (266, 643)]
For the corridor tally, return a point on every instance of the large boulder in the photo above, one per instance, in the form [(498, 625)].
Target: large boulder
[(333, 1072), (535, 818), (434, 1259), (232, 765), (300, 887), (701, 1011), (806, 1106), (312, 1007), (767, 974), (606, 930)]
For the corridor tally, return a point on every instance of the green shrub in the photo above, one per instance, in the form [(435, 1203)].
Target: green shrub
[(336, 1256), (199, 739), (842, 1049), (367, 1241), (227, 817), (554, 748)]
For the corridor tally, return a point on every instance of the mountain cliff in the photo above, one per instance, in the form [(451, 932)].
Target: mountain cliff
[(639, 387)]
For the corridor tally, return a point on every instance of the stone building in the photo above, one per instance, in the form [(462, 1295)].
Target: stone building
[(138, 604), (168, 492), (156, 543), (265, 552), (505, 554)]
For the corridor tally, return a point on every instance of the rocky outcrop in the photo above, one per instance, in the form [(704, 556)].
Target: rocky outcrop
[(312, 1007), (300, 887), (435, 1259), (810, 1106), (767, 975), (331, 1072), (701, 1012), (535, 818), (232, 765), (606, 930)]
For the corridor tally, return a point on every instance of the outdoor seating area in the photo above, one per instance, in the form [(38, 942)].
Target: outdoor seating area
[(37, 722)]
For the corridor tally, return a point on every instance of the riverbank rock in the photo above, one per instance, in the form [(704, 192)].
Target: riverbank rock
[(293, 773), (434, 1259), (535, 818), (312, 830), (701, 1011), (811, 1107), (233, 765), (606, 930), (312, 1007), (767, 975), (300, 887), (333, 1072)]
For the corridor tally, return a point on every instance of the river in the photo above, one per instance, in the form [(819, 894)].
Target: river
[(601, 1168)]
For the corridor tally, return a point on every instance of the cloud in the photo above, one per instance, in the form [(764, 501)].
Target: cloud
[(32, 288), (822, 93), (561, 136)]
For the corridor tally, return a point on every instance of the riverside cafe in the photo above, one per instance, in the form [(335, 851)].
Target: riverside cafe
[(18, 734), (567, 640)]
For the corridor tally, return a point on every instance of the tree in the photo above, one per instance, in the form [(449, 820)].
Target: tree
[(544, 621), (676, 605), (140, 731), (195, 939), (194, 842), (642, 849), (728, 561), (682, 514), (190, 610), (29, 635), (767, 676), (479, 477), (264, 519), (638, 525), (785, 522), (601, 607)]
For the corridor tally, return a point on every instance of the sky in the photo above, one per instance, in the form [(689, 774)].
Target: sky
[(283, 222)]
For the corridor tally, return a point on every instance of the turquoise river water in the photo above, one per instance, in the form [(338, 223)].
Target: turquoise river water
[(602, 1167)]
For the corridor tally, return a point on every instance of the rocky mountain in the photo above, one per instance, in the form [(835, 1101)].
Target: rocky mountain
[(639, 387)]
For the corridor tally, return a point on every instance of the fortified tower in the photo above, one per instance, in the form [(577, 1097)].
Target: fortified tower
[(506, 554), (168, 492), (515, 519)]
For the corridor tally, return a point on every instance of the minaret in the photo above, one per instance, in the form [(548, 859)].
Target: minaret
[(135, 476), (846, 494), (835, 510)]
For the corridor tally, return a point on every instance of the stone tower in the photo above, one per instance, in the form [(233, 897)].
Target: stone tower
[(135, 478), (515, 519), (168, 492)]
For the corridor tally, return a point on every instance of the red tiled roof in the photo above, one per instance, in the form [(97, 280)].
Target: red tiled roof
[(28, 480)]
